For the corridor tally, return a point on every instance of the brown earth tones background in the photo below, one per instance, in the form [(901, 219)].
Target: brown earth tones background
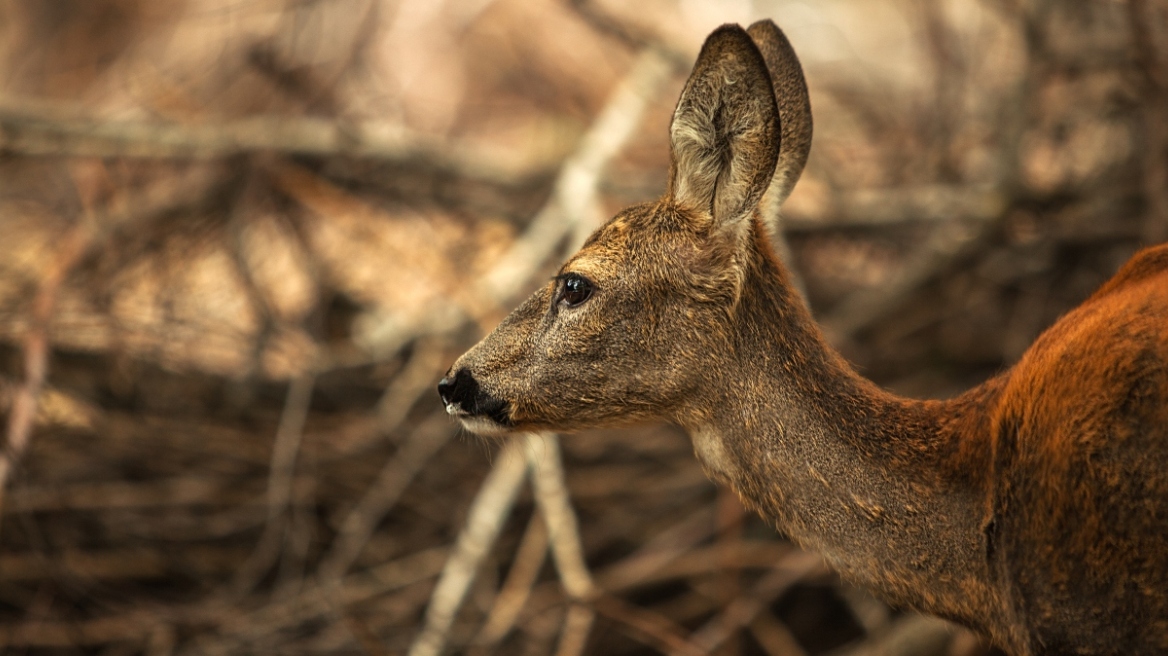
[(241, 240)]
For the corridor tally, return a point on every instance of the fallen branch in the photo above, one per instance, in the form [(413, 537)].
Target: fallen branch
[(574, 208), (280, 481), (36, 349), (646, 626), (863, 208), (949, 242), (44, 129), (552, 497), (1142, 17), (774, 637), (483, 523), (911, 635), (516, 589), (577, 626), (382, 495), (742, 611)]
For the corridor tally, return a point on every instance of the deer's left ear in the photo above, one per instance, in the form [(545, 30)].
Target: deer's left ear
[(724, 137)]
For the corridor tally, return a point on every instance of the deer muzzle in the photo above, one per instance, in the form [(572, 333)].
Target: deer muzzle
[(471, 404)]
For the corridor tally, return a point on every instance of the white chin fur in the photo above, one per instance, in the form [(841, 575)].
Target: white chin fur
[(482, 426)]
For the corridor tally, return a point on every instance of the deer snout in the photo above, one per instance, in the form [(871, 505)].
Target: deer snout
[(459, 392), (465, 398)]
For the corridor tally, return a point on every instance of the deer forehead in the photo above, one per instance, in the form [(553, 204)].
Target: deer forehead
[(604, 252), (658, 245), (594, 264)]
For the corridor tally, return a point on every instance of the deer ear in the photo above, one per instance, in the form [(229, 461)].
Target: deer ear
[(725, 132), (794, 106)]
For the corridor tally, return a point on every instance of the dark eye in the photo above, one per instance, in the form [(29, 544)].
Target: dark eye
[(576, 290)]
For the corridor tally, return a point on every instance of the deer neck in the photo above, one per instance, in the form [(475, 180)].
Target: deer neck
[(884, 487)]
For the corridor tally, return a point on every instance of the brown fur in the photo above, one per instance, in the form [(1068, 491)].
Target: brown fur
[(795, 124), (1033, 508)]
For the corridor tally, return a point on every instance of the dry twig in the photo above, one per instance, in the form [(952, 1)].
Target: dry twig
[(43, 129), (86, 235), (774, 636), (911, 635), (529, 559), (574, 208), (742, 611), (551, 495), (1145, 17), (484, 520), (646, 626), (553, 499), (36, 349), (280, 481), (382, 495), (862, 308), (577, 626)]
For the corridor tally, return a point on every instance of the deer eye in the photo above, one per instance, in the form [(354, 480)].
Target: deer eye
[(576, 290)]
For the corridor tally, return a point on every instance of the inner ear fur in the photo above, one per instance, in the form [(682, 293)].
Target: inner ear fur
[(725, 133)]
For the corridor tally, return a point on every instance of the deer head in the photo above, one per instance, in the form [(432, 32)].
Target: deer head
[(626, 331)]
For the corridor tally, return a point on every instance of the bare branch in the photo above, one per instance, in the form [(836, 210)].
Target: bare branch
[(742, 611), (43, 129), (574, 207), (879, 207), (911, 635), (1143, 19), (646, 626), (774, 637), (528, 560), (483, 523), (280, 481), (36, 349), (577, 626), (551, 494), (862, 308), (381, 497)]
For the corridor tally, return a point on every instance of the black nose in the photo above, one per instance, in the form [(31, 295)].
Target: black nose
[(445, 389), (460, 390)]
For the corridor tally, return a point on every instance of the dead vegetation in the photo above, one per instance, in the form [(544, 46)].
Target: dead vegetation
[(241, 241)]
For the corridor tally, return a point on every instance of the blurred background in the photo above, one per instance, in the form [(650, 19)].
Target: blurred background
[(241, 240)]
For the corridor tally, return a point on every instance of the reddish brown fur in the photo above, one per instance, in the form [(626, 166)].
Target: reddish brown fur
[(1033, 508)]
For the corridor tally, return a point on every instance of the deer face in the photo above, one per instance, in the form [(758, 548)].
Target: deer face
[(626, 330), (616, 337)]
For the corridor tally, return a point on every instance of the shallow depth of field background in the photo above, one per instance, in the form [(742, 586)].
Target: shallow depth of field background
[(247, 237)]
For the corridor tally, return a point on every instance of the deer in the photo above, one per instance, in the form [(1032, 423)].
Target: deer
[(1032, 509)]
